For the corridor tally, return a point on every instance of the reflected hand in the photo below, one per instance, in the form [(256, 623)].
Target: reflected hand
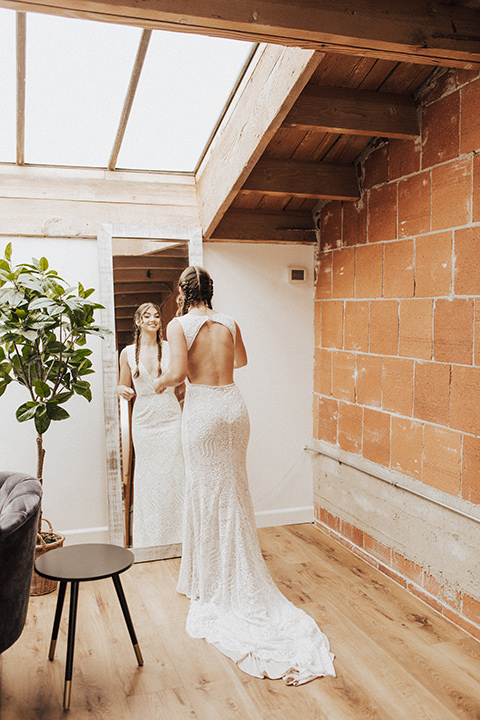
[(126, 392), (158, 387)]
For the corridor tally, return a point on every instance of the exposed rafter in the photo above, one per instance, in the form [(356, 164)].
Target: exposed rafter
[(303, 179), (132, 88), (244, 226), (354, 112), (21, 32), (425, 31)]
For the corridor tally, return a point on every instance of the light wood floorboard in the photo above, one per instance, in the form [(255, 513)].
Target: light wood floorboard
[(396, 658)]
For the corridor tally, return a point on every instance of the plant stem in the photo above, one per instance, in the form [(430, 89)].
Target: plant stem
[(40, 459)]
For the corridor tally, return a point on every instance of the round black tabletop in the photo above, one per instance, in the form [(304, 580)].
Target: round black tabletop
[(86, 561)]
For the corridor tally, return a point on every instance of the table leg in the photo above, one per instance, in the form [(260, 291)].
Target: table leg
[(128, 619), (58, 616), (72, 621)]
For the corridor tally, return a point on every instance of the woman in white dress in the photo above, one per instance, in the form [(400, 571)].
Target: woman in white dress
[(235, 604), (159, 476)]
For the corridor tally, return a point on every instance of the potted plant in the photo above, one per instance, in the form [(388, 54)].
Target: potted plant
[(44, 324)]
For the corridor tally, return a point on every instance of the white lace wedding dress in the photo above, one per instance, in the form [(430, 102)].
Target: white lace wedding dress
[(159, 475), (234, 603)]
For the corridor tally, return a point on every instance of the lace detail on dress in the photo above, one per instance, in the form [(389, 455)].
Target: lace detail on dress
[(191, 324), (159, 476), (235, 604)]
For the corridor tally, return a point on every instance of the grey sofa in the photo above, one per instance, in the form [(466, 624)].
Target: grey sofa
[(20, 497)]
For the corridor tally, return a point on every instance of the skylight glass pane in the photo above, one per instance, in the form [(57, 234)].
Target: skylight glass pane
[(77, 77), (7, 86), (185, 83)]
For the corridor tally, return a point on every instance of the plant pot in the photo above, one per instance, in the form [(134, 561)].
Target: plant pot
[(45, 541)]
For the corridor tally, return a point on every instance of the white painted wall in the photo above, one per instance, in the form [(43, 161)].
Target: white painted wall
[(276, 320), (74, 472)]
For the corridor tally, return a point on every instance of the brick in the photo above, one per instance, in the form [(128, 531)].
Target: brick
[(458, 620), (440, 130), (326, 416), (352, 533), (403, 158), (433, 265), (451, 194), (416, 328), (476, 188), (397, 385), (430, 584), (332, 324), (414, 205), (376, 167), (369, 271), (453, 331), (376, 548), (450, 596), (343, 375), (415, 590), (471, 469), (382, 213), (407, 567), (322, 377), (465, 399), (343, 273), (441, 459), (355, 223), (356, 325), (471, 608), (470, 117), (392, 575), (407, 447), (317, 322), (376, 436), (369, 380), (398, 273), (323, 285), (384, 327), (350, 418), (333, 521), (476, 345), (466, 271), (331, 225), (432, 392)]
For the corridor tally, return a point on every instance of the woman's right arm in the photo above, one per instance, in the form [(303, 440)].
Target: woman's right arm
[(240, 351), (125, 383)]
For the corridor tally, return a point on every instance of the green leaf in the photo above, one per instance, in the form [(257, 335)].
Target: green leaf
[(41, 389), (42, 421), (26, 411), (43, 264), (3, 387), (55, 412), (82, 387), (8, 252), (62, 397)]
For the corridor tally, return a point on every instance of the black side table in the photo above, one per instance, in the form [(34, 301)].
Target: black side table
[(75, 564)]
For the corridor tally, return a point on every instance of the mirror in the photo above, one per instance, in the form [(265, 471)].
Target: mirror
[(137, 264)]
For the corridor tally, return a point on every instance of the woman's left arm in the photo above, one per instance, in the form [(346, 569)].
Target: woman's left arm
[(177, 371)]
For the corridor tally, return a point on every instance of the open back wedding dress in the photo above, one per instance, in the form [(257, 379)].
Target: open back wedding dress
[(235, 604), (159, 477)]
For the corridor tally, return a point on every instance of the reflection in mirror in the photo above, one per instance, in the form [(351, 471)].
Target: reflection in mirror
[(145, 275)]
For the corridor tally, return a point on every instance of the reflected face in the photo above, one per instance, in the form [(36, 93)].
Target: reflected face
[(150, 320)]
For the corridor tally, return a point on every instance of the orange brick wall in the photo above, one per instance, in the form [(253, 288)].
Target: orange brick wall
[(397, 323), (397, 303)]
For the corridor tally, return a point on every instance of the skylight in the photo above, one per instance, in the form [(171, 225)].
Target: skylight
[(77, 77)]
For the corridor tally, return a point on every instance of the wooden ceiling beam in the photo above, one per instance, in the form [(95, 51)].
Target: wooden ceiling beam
[(261, 105), (149, 262), (245, 226), (139, 275), (354, 112), (121, 288), (272, 176), (425, 31)]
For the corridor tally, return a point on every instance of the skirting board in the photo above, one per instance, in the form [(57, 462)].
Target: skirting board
[(86, 535), (284, 516)]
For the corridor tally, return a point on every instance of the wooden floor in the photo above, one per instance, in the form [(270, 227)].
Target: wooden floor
[(396, 659)]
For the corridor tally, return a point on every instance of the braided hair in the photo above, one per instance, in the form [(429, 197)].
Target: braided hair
[(137, 321), (197, 287)]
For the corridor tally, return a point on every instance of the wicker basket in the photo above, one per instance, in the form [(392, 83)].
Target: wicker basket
[(41, 585)]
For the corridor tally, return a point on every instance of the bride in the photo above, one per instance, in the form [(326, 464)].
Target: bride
[(235, 604)]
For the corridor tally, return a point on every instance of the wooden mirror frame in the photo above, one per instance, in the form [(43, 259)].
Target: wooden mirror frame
[(105, 234)]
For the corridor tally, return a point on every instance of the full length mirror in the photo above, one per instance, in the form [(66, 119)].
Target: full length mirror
[(139, 271)]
